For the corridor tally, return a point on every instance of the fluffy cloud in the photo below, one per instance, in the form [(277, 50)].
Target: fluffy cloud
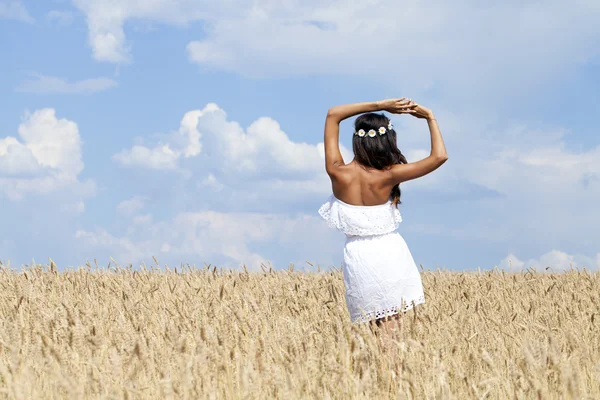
[(262, 156), (211, 182), (50, 84), (240, 168), (540, 163), (158, 157), (524, 165), (183, 143), (257, 165), (105, 21), (224, 239), (546, 190), (456, 45), (449, 46), (555, 260), (308, 37), (129, 207), (263, 149), (14, 9), (45, 157)]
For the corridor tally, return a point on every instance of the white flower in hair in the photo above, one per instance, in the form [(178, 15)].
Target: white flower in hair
[(361, 133), (390, 126), (382, 130), (372, 133)]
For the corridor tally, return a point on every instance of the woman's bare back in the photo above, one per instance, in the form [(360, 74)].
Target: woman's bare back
[(358, 185)]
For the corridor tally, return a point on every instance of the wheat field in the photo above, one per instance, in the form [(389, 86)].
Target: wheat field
[(208, 333)]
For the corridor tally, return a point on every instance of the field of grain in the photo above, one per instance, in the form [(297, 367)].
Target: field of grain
[(205, 333)]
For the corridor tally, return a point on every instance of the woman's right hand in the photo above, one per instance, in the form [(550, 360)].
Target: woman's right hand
[(418, 111), (397, 106)]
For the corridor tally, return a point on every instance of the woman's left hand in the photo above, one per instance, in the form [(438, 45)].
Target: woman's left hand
[(397, 106), (419, 111)]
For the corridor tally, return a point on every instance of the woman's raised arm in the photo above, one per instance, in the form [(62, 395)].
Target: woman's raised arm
[(438, 155)]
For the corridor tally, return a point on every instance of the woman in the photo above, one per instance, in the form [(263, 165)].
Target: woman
[(380, 275)]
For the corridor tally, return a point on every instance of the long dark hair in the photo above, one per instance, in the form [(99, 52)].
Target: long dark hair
[(381, 151)]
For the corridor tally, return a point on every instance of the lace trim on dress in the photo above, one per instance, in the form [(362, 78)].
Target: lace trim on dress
[(360, 220), (366, 317)]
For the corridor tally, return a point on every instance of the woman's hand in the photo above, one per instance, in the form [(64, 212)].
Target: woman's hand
[(397, 106), (406, 106), (418, 111)]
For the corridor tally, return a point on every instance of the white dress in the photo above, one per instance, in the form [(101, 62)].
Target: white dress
[(380, 275)]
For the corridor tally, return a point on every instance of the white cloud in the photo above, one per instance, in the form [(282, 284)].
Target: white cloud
[(511, 263), (55, 143), (79, 207), (547, 191), (546, 196), (105, 21), (158, 157), (14, 9), (122, 247), (454, 43), (16, 159), (131, 206), (45, 157), (211, 182), (60, 17), (142, 219), (535, 170), (538, 163), (74, 208), (554, 260), (261, 152), (258, 169), (223, 239), (164, 155), (50, 84)]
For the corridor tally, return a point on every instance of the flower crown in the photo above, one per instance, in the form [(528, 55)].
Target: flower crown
[(371, 133)]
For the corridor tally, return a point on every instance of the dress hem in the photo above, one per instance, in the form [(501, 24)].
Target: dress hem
[(374, 315)]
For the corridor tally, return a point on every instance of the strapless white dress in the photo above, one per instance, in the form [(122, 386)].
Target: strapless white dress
[(380, 275)]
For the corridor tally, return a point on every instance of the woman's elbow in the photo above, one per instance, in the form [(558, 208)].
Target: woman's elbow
[(332, 112), (442, 158)]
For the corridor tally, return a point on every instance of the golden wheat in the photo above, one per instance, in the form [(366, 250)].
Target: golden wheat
[(205, 333)]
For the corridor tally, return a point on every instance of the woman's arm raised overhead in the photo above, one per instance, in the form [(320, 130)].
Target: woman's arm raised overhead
[(335, 115), (438, 155)]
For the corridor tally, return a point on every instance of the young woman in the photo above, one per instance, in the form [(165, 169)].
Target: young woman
[(380, 275)]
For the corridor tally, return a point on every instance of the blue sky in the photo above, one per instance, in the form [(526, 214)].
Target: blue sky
[(192, 132)]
